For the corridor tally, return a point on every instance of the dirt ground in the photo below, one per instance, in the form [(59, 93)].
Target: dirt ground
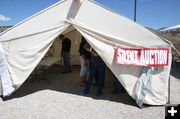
[(63, 98)]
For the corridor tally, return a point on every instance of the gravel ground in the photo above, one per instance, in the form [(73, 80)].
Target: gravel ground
[(63, 99)]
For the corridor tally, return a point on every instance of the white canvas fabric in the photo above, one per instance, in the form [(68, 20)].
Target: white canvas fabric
[(25, 44), (129, 76), (5, 79), (111, 30)]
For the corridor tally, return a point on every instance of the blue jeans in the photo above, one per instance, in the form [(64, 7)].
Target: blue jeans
[(97, 69), (66, 61)]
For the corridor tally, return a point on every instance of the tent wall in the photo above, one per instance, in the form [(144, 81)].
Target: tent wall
[(151, 90), (25, 44), (111, 30)]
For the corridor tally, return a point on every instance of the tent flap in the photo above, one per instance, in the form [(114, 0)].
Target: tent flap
[(26, 43), (5, 79)]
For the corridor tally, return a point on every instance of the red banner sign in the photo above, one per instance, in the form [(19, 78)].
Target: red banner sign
[(144, 56)]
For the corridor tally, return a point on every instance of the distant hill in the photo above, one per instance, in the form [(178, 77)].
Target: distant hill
[(172, 35), (157, 32), (174, 38), (3, 28), (162, 28), (175, 29)]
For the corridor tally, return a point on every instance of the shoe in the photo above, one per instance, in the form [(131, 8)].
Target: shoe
[(82, 84), (115, 92), (86, 91), (99, 94), (64, 72), (122, 90), (69, 71), (94, 84)]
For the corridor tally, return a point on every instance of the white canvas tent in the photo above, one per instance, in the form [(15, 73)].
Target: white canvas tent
[(23, 46)]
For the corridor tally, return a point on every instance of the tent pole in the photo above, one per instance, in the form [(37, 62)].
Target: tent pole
[(135, 4)]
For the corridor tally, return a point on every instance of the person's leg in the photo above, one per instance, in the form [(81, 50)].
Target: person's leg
[(64, 61), (88, 69), (91, 76), (96, 79), (83, 71), (68, 61), (101, 76)]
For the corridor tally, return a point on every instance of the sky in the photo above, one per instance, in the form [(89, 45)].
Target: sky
[(150, 13)]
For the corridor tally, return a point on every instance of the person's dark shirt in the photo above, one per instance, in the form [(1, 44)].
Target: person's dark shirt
[(83, 51), (81, 47), (66, 45), (92, 52)]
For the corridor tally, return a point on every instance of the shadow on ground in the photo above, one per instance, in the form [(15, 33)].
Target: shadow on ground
[(69, 83)]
